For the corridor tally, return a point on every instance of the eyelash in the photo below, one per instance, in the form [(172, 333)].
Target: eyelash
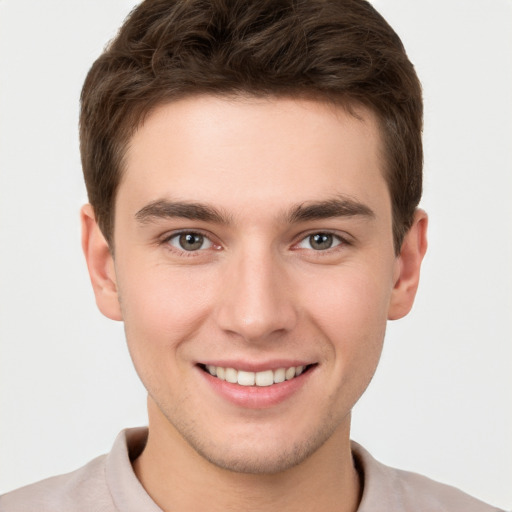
[(183, 252), (341, 241)]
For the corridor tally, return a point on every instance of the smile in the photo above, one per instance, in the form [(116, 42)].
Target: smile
[(261, 379)]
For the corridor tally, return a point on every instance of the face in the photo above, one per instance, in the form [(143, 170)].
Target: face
[(254, 271)]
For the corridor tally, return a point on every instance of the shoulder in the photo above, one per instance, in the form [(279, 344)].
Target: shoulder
[(106, 484), (387, 488), (66, 493)]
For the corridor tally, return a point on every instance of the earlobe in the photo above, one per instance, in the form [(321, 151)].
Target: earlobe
[(100, 264), (408, 263)]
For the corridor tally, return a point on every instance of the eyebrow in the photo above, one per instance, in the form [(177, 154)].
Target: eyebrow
[(314, 210), (337, 207), (162, 209)]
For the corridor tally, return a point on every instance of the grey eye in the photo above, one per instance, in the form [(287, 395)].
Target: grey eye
[(320, 241), (190, 241)]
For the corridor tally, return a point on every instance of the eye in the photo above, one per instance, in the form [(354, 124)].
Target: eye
[(320, 241), (190, 241)]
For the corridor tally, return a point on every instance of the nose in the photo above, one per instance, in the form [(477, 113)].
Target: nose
[(256, 301)]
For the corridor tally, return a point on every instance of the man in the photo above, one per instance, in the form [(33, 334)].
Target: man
[(254, 171)]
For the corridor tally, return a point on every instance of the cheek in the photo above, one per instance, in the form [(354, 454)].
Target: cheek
[(162, 312), (163, 307), (352, 297), (351, 311)]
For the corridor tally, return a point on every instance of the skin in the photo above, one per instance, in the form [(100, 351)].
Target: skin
[(255, 292)]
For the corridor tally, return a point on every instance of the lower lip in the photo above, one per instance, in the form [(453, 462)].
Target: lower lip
[(257, 397)]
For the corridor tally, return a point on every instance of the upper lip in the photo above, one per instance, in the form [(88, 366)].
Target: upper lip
[(252, 366)]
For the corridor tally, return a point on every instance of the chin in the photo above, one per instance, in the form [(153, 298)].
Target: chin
[(259, 454)]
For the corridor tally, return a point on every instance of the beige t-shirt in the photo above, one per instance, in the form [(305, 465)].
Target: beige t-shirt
[(108, 484)]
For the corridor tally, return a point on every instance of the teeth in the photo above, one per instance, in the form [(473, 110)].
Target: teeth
[(231, 375), (246, 378), (289, 373), (264, 378), (279, 375)]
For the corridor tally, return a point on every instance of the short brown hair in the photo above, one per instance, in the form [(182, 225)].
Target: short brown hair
[(334, 50)]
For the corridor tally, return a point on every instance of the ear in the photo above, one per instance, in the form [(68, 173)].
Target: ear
[(408, 267), (100, 264)]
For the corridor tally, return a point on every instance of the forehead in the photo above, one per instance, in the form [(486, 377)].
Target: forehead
[(235, 152)]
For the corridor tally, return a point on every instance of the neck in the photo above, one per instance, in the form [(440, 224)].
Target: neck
[(178, 478)]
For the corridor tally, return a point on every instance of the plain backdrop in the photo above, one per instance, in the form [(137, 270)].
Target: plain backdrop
[(441, 401)]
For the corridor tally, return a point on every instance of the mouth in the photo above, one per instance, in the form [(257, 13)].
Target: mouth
[(263, 378)]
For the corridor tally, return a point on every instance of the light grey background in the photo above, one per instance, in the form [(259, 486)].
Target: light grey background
[(441, 402)]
